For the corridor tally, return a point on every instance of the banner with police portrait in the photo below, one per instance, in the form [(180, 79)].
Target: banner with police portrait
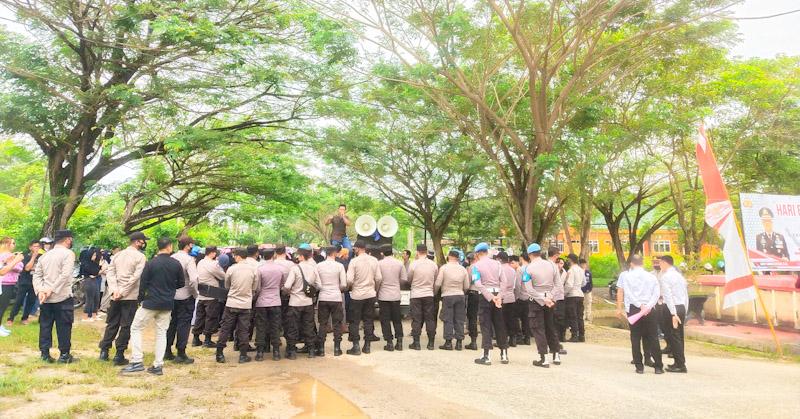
[(772, 231)]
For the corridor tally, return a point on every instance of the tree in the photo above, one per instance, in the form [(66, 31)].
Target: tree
[(100, 85), (509, 74), (406, 150)]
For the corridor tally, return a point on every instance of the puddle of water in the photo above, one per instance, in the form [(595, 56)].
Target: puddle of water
[(319, 400)]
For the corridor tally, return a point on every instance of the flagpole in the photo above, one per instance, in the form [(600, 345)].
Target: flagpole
[(778, 347)]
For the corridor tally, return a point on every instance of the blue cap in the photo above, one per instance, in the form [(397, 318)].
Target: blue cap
[(534, 248), (304, 246), (195, 250), (481, 247)]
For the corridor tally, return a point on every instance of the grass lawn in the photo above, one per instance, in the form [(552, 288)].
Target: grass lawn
[(601, 282)]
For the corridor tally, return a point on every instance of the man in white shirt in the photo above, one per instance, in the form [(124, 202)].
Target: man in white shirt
[(639, 290), (676, 298)]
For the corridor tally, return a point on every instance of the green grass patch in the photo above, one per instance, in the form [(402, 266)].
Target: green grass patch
[(601, 282), (25, 338), (129, 399), (736, 350), (86, 406)]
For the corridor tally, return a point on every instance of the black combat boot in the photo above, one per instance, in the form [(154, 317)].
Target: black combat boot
[(458, 344), (389, 346), (220, 356), (512, 341), (472, 345), (526, 340), (276, 354), (119, 358), (196, 341), (542, 362), (208, 343), (337, 348), (366, 348), (484, 360), (243, 357), (415, 345), (355, 350), (448, 345), (399, 345), (103, 355), (430, 342), (504, 356), (259, 354)]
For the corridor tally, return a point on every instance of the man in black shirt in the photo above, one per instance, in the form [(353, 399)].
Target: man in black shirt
[(340, 221), (161, 276), (25, 293)]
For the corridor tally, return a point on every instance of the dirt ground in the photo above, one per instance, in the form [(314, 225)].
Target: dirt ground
[(595, 380)]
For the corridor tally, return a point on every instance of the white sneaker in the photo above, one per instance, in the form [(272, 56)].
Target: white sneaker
[(5, 332)]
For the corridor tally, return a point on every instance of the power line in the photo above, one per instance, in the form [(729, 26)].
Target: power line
[(764, 17)]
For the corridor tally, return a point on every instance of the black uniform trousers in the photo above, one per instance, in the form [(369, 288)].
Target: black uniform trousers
[(61, 314), (361, 310), (300, 319), (560, 317), (454, 312), (522, 317), (118, 324), (509, 317), (492, 324), (422, 310), (268, 327), (645, 333), (390, 316), (25, 295), (238, 319), (574, 307), (180, 323), (206, 317), (537, 319), (675, 337), (329, 311), (551, 329), (473, 303)]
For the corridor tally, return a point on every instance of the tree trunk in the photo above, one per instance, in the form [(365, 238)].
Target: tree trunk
[(586, 225), (565, 226), (436, 237)]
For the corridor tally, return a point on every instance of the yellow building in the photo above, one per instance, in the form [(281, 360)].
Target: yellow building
[(662, 242)]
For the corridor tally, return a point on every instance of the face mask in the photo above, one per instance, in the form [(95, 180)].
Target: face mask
[(144, 246)]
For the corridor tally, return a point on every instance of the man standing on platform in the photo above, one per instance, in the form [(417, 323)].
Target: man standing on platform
[(123, 276), (637, 293), (363, 277), (339, 222), (183, 310), (52, 282), (422, 276)]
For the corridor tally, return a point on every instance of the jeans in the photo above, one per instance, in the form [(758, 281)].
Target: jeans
[(140, 320), (345, 243), (26, 296)]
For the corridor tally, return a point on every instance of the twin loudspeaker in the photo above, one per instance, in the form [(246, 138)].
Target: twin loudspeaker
[(366, 226)]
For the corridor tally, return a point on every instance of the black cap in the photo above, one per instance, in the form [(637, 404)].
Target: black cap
[(422, 247), (765, 212), (138, 235), (62, 234), (360, 244)]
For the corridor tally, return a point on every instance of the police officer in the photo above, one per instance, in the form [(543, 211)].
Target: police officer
[(422, 277), (770, 242), (363, 277), (473, 303), (52, 280), (489, 277), (539, 278), (300, 315)]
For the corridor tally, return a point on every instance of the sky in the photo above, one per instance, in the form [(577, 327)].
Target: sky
[(763, 38)]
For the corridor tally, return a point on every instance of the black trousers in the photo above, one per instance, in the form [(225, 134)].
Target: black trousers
[(329, 311), (268, 327), (550, 329), (300, 319), (422, 310), (91, 295), (206, 317), (509, 317), (61, 314), (560, 318), (522, 317), (645, 332), (454, 312), (675, 337), (473, 303), (25, 295), (492, 324), (362, 310), (238, 319), (180, 323), (5, 297), (574, 306), (118, 324), (537, 320), (664, 321), (390, 316)]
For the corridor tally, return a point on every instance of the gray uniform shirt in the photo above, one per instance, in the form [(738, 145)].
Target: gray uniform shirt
[(544, 276), (452, 279), (393, 273), (54, 273), (333, 280), (189, 276), (422, 276), (294, 283), (125, 272), (209, 273)]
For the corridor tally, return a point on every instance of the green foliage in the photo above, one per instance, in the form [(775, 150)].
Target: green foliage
[(605, 266)]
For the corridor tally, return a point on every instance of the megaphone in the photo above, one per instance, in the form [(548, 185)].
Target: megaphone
[(366, 225), (387, 226)]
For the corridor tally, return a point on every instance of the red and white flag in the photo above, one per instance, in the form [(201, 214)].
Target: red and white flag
[(739, 283)]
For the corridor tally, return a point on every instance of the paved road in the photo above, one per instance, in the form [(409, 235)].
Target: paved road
[(594, 381)]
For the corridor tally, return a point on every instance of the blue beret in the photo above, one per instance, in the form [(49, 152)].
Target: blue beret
[(304, 246), (481, 247), (534, 247)]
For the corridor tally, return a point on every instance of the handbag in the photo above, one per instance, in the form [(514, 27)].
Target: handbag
[(308, 289)]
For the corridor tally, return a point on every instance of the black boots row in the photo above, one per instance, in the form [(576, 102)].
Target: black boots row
[(66, 358), (448, 345), (119, 359), (207, 343), (396, 347)]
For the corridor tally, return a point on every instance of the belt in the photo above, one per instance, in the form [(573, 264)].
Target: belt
[(473, 292), (494, 291)]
